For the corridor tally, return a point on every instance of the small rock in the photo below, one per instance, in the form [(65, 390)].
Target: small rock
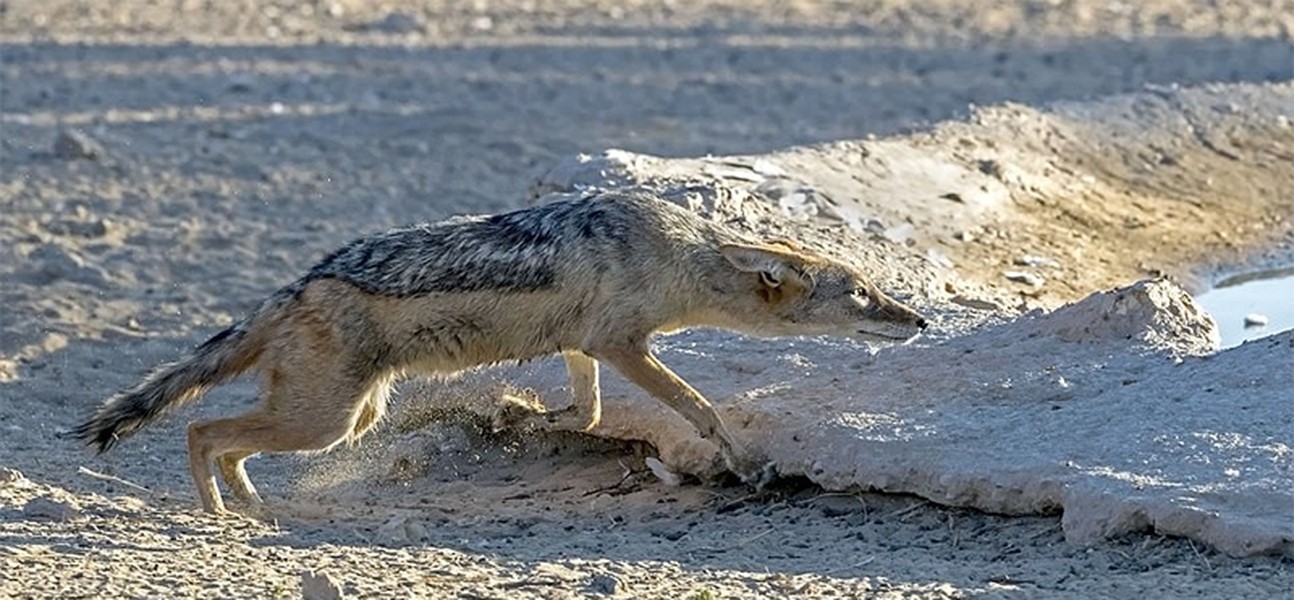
[(401, 530), (798, 205), (938, 259), (766, 168), (838, 506), (964, 236), (72, 145), (55, 259), (8, 476), (393, 531), (249, 171), (240, 83), (1035, 261), (604, 584), (872, 226), (554, 572), (403, 468), (672, 532), (451, 438), (51, 510), (415, 532), (93, 228), (319, 585), (1025, 278), (51, 262), (662, 472), (795, 199), (900, 234), (396, 23), (1255, 320)]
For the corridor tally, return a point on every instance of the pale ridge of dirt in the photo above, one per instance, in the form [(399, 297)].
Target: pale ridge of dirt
[(1171, 167), (1113, 411), (1174, 181)]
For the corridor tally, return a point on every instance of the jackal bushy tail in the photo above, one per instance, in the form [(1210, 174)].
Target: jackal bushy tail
[(224, 356)]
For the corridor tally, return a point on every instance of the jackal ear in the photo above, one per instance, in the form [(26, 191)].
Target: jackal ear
[(773, 265)]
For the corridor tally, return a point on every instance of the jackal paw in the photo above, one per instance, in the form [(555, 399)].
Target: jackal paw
[(565, 419), (753, 470), (516, 412)]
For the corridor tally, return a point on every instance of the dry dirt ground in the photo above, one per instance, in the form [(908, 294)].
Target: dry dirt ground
[(239, 141)]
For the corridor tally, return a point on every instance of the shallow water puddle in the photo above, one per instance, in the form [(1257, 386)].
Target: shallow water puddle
[(1234, 299)]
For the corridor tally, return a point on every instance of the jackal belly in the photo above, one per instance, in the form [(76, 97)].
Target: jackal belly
[(447, 333)]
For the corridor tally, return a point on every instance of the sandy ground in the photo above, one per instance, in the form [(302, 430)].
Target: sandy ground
[(241, 141)]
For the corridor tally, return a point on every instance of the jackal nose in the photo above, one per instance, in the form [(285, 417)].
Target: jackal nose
[(921, 323)]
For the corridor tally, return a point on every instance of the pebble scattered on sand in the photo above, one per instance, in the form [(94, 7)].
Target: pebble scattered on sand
[(395, 23), (51, 262), (939, 259), (1025, 277), (319, 585), (8, 475), (401, 530), (51, 510), (72, 145), (604, 584), (1255, 320), (240, 83), (1029, 260), (662, 472), (554, 574), (92, 228), (900, 234)]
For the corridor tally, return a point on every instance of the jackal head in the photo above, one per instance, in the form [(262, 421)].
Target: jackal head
[(788, 292)]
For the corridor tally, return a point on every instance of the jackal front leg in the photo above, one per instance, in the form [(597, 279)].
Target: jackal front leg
[(646, 371), (585, 411)]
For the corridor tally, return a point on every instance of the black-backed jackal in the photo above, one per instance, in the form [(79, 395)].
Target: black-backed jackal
[(591, 279)]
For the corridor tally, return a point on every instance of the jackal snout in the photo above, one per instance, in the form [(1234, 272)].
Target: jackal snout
[(890, 319), (802, 294)]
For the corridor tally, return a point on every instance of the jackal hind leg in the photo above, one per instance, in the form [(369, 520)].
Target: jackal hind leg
[(372, 408), (233, 470), (307, 409)]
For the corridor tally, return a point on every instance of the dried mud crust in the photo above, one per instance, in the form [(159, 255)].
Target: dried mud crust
[(232, 144), (554, 519)]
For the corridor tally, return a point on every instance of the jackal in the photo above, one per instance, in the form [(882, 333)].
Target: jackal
[(591, 279)]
